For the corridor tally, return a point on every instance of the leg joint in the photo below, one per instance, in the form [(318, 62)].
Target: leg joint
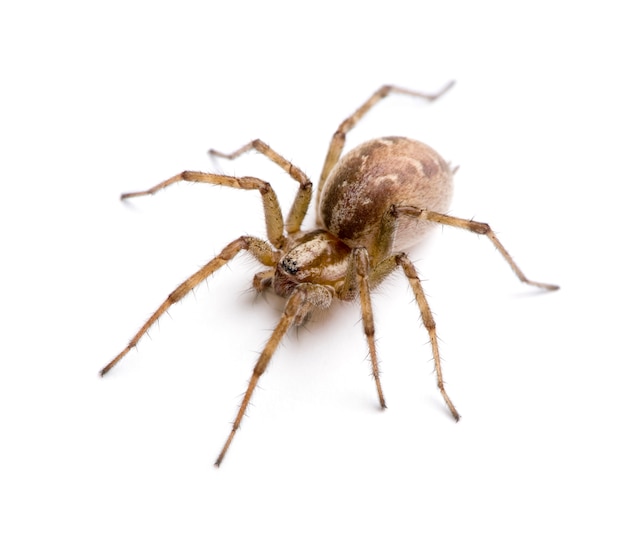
[(479, 228)]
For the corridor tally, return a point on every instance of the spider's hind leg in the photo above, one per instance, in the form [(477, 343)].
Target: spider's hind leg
[(478, 228), (339, 137)]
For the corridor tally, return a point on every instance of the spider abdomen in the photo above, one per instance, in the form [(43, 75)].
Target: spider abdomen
[(377, 174)]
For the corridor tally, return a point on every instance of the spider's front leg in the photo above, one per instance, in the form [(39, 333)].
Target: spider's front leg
[(304, 298), (273, 215), (255, 246)]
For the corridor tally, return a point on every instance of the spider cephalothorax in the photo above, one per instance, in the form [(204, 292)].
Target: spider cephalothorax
[(373, 204)]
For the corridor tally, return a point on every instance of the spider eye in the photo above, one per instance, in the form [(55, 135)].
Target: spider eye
[(289, 265)]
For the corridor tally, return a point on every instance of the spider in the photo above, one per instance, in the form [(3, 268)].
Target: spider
[(373, 204)]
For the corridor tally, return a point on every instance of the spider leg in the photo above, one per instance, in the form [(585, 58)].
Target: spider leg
[(383, 264), (304, 297), (339, 137), (479, 228), (273, 215), (429, 322), (255, 246), (303, 197), (358, 277)]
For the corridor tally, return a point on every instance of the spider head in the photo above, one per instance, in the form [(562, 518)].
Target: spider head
[(317, 257)]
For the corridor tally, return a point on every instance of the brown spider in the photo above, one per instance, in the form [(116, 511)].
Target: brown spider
[(373, 203)]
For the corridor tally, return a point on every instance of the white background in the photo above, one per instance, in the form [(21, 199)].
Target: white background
[(101, 99)]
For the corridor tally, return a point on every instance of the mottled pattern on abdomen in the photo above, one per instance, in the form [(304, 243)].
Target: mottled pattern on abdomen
[(377, 174)]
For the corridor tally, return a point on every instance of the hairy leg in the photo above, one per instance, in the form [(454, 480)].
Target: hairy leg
[(476, 227), (302, 300), (255, 246), (358, 283), (429, 323), (301, 203), (273, 215), (339, 137)]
